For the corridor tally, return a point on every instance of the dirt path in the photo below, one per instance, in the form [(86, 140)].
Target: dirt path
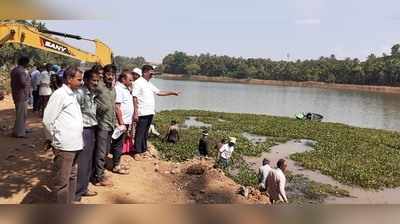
[(25, 174)]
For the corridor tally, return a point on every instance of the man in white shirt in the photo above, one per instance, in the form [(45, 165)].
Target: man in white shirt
[(63, 122), (144, 103), (124, 113), (263, 172), (35, 75), (225, 152), (44, 87), (276, 182)]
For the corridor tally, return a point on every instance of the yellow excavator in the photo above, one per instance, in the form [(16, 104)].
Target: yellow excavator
[(45, 40)]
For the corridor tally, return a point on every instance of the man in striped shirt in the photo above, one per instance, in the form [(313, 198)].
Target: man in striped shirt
[(86, 99)]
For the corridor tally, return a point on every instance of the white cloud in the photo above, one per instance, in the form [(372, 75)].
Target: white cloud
[(308, 21)]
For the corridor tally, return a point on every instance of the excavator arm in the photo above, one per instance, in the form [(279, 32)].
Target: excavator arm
[(44, 40)]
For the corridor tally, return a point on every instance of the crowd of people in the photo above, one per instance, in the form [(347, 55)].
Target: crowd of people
[(34, 88), (88, 115), (272, 181)]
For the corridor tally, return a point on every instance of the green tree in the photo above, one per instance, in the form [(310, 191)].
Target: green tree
[(192, 69), (375, 70), (175, 63), (130, 63), (395, 51)]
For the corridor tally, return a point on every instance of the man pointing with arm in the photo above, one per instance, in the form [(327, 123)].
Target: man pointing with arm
[(144, 104)]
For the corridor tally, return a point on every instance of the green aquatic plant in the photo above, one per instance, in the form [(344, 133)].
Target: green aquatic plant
[(368, 158)]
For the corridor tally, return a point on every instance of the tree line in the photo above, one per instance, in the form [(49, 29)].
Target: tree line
[(130, 63), (375, 70)]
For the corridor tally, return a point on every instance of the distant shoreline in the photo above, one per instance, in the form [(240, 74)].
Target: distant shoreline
[(312, 84)]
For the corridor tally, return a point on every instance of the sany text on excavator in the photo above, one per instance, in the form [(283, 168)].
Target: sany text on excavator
[(44, 40)]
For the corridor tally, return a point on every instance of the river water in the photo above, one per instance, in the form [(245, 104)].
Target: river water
[(357, 108)]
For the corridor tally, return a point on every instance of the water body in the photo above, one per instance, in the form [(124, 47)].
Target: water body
[(357, 108), (192, 122), (255, 139)]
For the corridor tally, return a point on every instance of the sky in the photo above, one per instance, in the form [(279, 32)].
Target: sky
[(276, 29)]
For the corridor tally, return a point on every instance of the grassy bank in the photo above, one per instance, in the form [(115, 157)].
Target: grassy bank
[(356, 156)]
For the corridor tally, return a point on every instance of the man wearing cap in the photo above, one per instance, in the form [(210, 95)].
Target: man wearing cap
[(203, 144), (144, 103), (137, 73), (225, 152)]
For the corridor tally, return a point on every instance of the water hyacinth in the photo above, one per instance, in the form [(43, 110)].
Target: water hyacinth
[(368, 158)]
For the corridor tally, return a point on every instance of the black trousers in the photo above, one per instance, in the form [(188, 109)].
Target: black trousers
[(142, 133), (36, 104), (43, 103), (85, 162), (65, 173), (116, 147), (103, 145)]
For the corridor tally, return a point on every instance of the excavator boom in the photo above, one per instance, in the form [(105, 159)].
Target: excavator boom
[(30, 36)]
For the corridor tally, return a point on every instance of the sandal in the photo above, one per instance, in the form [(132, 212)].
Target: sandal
[(118, 169)]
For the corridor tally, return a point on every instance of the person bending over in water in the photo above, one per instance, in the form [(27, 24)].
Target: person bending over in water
[(172, 135)]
